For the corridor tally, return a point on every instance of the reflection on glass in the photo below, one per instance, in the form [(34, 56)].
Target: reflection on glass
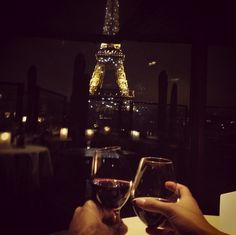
[(110, 178), (150, 181)]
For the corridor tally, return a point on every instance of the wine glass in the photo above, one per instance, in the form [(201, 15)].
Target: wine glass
[(110, 178), (150, 181)]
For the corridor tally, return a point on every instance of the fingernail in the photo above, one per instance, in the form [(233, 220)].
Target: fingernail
[(139, 201)]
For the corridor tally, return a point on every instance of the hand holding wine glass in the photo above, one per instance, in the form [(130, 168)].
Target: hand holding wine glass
[(110, 178), (185, 216), (150, 182), (89, 219)]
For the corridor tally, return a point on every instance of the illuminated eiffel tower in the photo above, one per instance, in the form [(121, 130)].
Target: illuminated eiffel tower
[(110, 55)]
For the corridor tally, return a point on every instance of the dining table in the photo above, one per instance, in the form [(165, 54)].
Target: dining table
[(22, 167), (137, 227), (24, 171)]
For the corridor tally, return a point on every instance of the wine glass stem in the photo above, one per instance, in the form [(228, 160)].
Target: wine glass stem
[(117, 213)]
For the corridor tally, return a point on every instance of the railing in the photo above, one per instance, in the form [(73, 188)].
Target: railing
[(11, 103), (126, 115), (119, 113), (52, 106), (49, 106)]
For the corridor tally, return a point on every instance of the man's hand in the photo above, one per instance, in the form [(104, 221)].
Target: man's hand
[(93, 220)]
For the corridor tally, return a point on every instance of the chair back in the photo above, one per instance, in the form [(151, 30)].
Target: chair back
[(228, 212)]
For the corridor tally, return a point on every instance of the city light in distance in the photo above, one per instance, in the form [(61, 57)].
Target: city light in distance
[(151, 63), (24, 119)]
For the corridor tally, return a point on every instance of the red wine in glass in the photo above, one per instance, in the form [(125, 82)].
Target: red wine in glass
[(151, 219), (110, 178), (150, 179), (111, 193)]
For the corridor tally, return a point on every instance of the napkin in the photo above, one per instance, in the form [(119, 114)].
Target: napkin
[(228, 212)]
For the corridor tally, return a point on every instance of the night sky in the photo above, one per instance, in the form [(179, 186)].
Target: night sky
[(54, 60), (161, 21)]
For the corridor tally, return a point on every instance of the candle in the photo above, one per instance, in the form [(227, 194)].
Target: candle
[(135, 134), (63, 133), (24, 118), (89, 133), (5, 139), (106, 129)]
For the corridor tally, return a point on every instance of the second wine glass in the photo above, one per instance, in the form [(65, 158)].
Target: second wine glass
[(150, 181), (110, 178)]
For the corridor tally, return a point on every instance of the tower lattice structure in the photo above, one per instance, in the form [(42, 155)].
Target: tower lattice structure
[(110, 55)]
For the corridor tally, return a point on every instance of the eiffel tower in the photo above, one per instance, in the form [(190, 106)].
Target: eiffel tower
[(110, 55)]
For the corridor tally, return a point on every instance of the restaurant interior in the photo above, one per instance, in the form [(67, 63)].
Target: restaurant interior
[(168, 91)]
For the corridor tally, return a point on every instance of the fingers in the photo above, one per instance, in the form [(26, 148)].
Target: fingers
[(90, 217), (106, 216), (170, 185), (114, 222), (167, 209), (109, 217), (76, 213), (160, 231), (77, 210), (120, 228), (165, 229), (92, 208), (183, 190), (180, 188), (154, 205)]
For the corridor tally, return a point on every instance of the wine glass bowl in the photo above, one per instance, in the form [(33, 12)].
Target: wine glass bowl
[(150, 179), (110, 179)]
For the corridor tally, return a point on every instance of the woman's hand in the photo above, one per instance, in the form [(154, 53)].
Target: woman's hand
[(184, 215)]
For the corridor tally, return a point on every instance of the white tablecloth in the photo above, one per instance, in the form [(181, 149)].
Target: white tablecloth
[(32, 160), (136, 227)]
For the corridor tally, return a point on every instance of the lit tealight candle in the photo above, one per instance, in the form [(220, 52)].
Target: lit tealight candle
[(5, 139), (135, 134), (89, 133), (24, 118), (63, 133), (106, 129)]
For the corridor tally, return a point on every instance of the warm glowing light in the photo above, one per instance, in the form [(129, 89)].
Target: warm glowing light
[(5, 139), (5, 136), (7, 114), (24, 119), (40, 119), (110, 54), (89, 133), (111, 25), (135, 135), (95, 125), (106, 129), (174, 79), (127, 107), (152, 63), (63, 133)]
